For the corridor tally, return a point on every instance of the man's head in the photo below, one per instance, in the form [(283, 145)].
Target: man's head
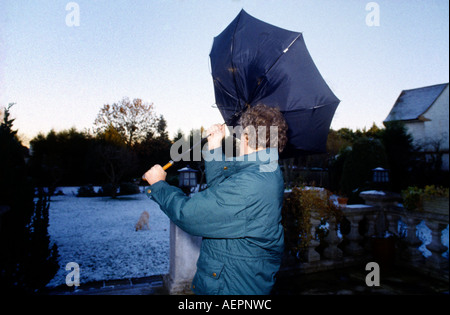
[(256, 123)]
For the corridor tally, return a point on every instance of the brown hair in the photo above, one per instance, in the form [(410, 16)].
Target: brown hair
[(264, 116)]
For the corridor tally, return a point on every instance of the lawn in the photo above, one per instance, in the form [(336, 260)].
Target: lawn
[(99, 234)]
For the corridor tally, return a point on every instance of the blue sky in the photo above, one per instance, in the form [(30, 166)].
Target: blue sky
[(158, 50)]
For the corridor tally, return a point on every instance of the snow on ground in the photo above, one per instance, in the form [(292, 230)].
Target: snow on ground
[(98, 233)]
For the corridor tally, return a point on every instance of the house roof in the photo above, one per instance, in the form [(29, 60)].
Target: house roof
[(411, 104)]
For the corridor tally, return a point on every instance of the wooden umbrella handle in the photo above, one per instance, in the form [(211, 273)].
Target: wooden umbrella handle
[(165, 167)]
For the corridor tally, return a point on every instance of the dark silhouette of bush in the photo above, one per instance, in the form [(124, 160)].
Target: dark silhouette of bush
[(27, 263), (365, 155)]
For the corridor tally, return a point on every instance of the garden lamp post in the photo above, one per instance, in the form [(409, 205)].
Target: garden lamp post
[(380, 177), (187, 178)]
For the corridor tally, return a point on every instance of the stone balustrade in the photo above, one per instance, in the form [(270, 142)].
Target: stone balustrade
[(338, 249), (435, 264), (351, 241)]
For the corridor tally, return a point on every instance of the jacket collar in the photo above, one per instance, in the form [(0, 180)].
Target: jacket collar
[(267, 160)]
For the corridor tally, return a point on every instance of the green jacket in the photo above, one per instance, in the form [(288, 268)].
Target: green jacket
[(239, 218)]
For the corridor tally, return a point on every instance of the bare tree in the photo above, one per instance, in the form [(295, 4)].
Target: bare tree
[(132, 119), (433, 149), (116, 163)]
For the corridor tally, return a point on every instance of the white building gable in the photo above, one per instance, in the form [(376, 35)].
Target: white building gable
[(425, 112)]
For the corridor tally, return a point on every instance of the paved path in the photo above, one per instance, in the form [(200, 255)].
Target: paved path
[(138, 286)]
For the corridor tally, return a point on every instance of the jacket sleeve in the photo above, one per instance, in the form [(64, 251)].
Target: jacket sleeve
[(207, 213)]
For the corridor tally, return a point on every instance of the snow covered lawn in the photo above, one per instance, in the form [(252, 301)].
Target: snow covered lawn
[(98, 233)]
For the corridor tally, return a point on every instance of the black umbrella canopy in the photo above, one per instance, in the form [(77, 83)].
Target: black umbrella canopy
[(253, 62)]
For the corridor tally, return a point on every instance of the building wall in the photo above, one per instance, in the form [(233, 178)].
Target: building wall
[(435, 130)]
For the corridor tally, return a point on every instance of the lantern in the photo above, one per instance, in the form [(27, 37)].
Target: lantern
[(380, 175), (188, 178)]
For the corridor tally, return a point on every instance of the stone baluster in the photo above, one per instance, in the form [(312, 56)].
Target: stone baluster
[(436, 261), (383, 201), (412, 253), (332, 252), (354, 248), (371, 219), (310, 254), (392, 219), (371, 231)]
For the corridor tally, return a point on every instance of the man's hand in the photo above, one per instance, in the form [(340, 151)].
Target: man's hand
[(155, 174), (216, 134)]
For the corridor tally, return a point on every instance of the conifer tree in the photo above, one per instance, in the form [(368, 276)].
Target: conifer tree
[(27, 263)]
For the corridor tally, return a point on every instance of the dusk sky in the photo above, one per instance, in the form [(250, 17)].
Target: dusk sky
[(158, 50)]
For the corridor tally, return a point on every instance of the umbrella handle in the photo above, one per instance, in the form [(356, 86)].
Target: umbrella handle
[(165, 167)]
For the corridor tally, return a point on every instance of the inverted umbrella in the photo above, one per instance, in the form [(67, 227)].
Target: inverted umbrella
[(253, 62)]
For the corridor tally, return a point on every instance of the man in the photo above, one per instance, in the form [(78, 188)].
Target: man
[(239, 214)]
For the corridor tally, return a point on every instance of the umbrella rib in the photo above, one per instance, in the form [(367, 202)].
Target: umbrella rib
[(270, 68), (234, 70), (284, 51), (223, 89), (304, 109)]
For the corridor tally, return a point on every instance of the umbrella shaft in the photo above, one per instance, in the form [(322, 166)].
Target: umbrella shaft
[(171, 162)]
